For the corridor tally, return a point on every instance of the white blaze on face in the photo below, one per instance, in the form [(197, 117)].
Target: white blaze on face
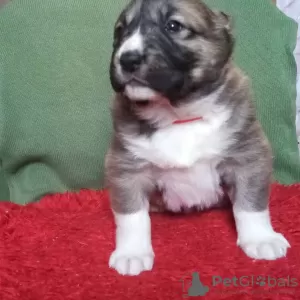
[(133, 43)]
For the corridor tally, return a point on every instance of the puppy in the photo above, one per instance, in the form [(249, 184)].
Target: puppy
[(184, 126)]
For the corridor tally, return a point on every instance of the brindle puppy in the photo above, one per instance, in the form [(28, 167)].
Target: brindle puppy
[(184, 125)]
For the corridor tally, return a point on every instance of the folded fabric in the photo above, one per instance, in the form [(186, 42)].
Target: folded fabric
[(291, 8), (54, 89)]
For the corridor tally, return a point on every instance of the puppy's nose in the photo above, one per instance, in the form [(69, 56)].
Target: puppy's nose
[(131, 61)]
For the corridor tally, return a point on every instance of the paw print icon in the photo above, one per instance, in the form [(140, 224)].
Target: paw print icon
[(260, 281), (196, 287)]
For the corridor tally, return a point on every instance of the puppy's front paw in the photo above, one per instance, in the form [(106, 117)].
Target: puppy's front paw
[(269, 247), (131, 263)]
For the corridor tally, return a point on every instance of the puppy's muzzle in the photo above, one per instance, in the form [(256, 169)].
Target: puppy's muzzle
[(131, 61)]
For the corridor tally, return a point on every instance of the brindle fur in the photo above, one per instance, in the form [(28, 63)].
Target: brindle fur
[(186, 69)]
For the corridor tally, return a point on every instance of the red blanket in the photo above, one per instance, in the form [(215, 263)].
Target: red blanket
[(58, 249)]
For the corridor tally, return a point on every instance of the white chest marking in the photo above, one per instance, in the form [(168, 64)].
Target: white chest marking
[(185, 188), (182, 145), (186, 156)]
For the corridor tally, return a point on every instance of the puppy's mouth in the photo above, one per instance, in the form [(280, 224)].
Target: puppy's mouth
[(161, 85), (140, 92), (142, 104), (135, 81)]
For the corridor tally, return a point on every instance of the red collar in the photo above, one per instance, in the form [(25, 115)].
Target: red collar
[(187, 120)]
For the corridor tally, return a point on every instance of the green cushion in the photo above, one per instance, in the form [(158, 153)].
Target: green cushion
[(55, 91)]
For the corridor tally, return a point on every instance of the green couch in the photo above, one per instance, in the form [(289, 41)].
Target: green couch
[(55, 92)]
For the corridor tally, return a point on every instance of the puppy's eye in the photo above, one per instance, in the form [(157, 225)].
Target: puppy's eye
[(174, 26)]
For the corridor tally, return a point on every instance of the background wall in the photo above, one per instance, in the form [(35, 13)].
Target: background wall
[(292, 9)]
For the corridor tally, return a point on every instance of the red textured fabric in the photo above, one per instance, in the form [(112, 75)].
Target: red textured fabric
[(58, 249)]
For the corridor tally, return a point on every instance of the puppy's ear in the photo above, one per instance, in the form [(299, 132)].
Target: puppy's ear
[(223, 21), (223, 32)]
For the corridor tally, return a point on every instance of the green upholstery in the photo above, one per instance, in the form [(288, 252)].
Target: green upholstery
[(55, 92)]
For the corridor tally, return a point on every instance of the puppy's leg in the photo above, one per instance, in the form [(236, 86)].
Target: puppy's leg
[(256, 235), (133, 253)]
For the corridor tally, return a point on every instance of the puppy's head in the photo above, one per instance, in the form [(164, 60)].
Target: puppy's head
[(168, 48)]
